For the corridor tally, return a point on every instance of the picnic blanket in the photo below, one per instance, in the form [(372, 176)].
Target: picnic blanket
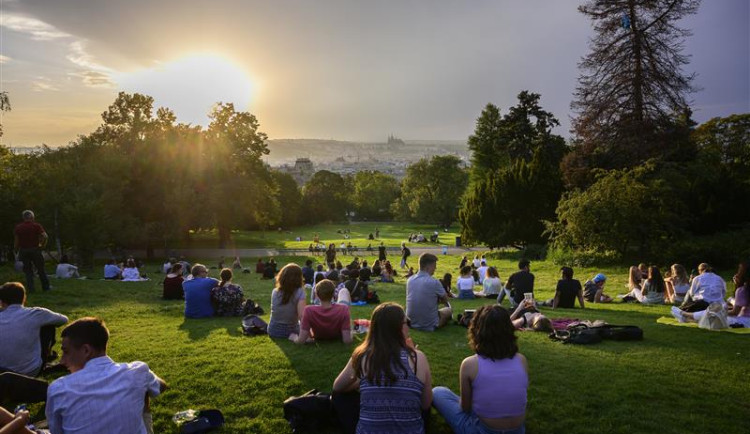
[(672, 321)]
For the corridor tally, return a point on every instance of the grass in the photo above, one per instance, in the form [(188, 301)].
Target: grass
[(391, 233), (678, 380)]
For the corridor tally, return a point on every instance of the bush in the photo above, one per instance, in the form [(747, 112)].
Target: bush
[(582, 258), (722, 250)]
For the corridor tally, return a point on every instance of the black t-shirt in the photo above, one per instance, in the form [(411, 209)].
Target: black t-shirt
[(308, 273), (381, 252), (568, 290), (376, 269), (519, 283), (364, 274)]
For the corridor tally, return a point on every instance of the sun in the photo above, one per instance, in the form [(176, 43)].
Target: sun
[(191, 85)]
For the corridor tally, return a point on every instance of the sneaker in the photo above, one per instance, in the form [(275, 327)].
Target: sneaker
[(677, 313)]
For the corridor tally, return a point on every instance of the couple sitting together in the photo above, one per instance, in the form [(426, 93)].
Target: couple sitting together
[(206, 296)]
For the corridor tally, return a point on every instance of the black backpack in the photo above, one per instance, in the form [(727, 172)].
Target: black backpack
[(620, 333), (251, 308), (253, 325), (578, 334), (309, 413)]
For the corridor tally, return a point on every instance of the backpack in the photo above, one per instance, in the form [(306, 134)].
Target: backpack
[(253, 325), (579, 334), (465, 318), (715, 318), (372, 297), (251, 308), (310, 412)]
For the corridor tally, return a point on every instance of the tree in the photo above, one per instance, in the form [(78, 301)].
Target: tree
[(631, 85), (289, 197), (374, 192), (516, 179), (4, 106), (324, 197), (432, 190)]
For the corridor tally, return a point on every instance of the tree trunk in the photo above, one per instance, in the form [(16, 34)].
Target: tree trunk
[(638, 59), (223, 236)]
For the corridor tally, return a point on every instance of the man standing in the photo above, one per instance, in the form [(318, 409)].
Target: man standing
[(423, 293), (99, 396), (381, 252), (29, 238), (198, 293), (520, 282)]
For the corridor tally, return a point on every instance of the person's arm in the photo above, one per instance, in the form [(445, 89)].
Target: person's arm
[(302, 338), (466, 375), (425, 376), (556, 301), (43, 238), (580, 297), (12, 424), (517, 313), (162, 384), (47, 317), (346, 336), (346, 381), (301, 307)]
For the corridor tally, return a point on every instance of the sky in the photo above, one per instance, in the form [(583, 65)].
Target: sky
[(326, 69)]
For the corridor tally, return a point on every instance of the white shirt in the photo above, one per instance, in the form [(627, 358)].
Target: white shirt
[(20, 349), (131, 274), (66, 271), (492, 286), (476, 263), (166, 267), (465, 284), (708, 287), (103, 397), (482, 271)]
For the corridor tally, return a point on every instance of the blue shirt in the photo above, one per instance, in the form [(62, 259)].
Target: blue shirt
[(111, 271), (423, 292), (198, 297)]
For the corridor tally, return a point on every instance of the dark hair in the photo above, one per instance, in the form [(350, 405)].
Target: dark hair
[(130, 263), (743, 274), (64, 259), (225, 275), (446, 281), (567, 272), (523, 263), (654, 277), (319, 267), (492, 272), (466, 270), (87, 331), (288, 281), (176, 267), (381, 350), (491, 333), (325, 288), (308, 262), (12, 293), (427, 259), (354, 274)]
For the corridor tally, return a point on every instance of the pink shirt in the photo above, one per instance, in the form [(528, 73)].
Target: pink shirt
[(741, 298), (326, 322)]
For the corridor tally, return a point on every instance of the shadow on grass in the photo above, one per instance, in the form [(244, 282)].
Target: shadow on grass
[(200, 328)]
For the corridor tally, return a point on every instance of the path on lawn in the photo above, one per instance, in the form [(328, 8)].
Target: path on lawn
[(263, 252)]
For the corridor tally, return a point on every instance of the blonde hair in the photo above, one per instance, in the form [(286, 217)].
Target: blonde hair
[(634, 278), (679, 273)]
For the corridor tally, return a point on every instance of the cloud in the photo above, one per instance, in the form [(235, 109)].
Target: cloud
[(95, 79), (39, 30), (42, 84), (91, 71), (4, 59)]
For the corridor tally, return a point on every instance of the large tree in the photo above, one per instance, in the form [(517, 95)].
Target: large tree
[(325, 198), (432, 190), (632, 84), (374, 192)]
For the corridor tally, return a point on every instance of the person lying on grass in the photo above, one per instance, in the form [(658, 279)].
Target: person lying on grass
[(527, 317), (493, 382), (327, 321), (392, 376)]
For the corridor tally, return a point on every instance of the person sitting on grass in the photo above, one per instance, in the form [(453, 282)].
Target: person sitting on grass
[(705, 289), (227, 298), (131, 273), (173, 284), (567, 291), (654, 288), (324, 322), (333, 273), (308, 273), (409, 273), (635, 285), (493, 382), (166, 267), (465, 284), (287, 302), (678, 284), (526, 316), (112, 271), (357, 289), (66, 270), (198, 293), (27, 334), (738, 308), (388, 273), (518, 284), (446, 281), (99, 396), (482, 272), (423, 293), (260, 266), (593, 290), (376, 268), (237, 265), (491, 284), (365, 273), (393, 377)]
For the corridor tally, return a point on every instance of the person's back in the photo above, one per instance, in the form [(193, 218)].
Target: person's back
[(364, 274), (567, 290), (521, 282), (20, 344), (326, 322), (653, 294), (708, 287), (111, 271), (499, 389), (308, 273), (422, 295), (227, 299), (131, 274), (491, 286), (173, 287), (392, 408), (482, 272), (66, 271), (198, 293)]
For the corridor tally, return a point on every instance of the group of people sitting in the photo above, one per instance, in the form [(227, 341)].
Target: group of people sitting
[(127, 271)]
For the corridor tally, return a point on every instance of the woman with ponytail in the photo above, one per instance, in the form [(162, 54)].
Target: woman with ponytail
[(227, 297)]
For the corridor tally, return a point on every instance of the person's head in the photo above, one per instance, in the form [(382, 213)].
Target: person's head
[(130, 263), (388, 267), (428, 262), (225, 275), (654, 276), (566, 272), (199, 270), (319, 267), (600, 279), (524, 264), (64, 259), (364, 263), (12, 293), (339, 265), (542, 324), (83, 340), (447, 277), (466, 271), (381, 350), (288, 281), (679, 272), (376, 263), (28, 215), (742, 277), (634, 277), (643, 268), (176, 268), (111, 261), (354, 274), (704, 268), (492, 273), (324, 289), (491, 333), (484, 263), (308, 263)]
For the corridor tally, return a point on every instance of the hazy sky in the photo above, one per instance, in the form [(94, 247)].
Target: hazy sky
[(342, 69)]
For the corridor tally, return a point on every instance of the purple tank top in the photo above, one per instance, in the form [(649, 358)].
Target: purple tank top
[(499, 390)]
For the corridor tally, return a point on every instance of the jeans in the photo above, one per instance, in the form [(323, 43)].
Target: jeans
[(32, 258), (506, 292), (465, 294), (448, 405)]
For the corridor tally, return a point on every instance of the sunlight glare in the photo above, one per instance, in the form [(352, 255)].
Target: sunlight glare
[(190, 86)]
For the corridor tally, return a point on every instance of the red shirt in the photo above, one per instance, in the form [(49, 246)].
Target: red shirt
[(28, 234), (326, 323)]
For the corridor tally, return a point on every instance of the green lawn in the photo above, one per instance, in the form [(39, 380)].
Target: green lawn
[(391, 233), (677, 380)]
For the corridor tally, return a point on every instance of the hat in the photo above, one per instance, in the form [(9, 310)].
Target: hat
[(599, 278)]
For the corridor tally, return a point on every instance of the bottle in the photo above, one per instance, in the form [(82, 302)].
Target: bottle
[(184, 416)]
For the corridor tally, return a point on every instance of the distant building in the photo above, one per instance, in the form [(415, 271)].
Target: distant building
[(302, 170), (393, 140)]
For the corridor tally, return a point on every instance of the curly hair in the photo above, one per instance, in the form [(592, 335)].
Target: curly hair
[(491, 333), (288, 281)]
